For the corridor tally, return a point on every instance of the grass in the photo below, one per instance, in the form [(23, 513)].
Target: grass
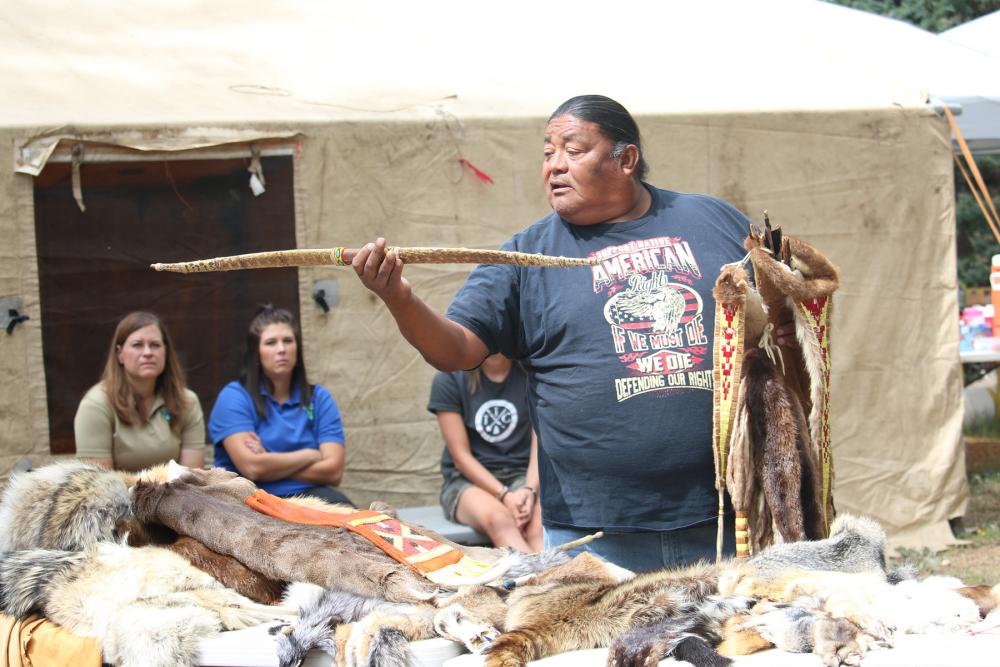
[(975, 562), (983, 428)]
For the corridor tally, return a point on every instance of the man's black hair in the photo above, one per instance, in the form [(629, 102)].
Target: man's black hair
[(614, 121)]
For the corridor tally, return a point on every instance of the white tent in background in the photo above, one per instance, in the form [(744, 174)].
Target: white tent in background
[(813, 111), (982, 34), (980, 120)]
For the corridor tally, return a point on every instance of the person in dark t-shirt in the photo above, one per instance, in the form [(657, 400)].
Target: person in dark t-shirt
[(618, 354), (489, 466)]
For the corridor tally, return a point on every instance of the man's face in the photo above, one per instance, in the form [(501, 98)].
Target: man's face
[(584, 184)]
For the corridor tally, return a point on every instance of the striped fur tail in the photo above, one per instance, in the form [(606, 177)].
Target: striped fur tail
[(389, 647), (26, 575), (688, 637)]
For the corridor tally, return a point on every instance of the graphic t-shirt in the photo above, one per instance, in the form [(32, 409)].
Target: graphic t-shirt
[(495, 416), (619, 357)]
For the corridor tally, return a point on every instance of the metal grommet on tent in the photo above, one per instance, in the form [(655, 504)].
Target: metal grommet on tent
[(77, 156)]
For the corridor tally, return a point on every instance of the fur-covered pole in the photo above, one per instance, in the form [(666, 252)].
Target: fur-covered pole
[(730, 293), (343, 257)]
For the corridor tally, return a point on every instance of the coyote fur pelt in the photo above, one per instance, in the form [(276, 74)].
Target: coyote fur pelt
[(651, 615), (146, 606), (66, 505), (72, 505), (831, 597), (360, 631)]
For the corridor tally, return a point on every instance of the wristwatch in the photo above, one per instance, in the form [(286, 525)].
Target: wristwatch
[(502, 492)]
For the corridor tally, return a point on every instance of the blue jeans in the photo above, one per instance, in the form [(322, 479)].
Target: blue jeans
[(650, 550)]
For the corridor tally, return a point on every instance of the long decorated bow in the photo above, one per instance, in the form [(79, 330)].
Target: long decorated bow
[(343, 257)]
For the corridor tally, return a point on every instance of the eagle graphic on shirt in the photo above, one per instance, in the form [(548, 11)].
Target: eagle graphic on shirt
[(654, 315), (665, 306)]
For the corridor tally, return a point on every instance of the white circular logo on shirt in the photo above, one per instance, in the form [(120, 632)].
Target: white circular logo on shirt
[(496, 419)]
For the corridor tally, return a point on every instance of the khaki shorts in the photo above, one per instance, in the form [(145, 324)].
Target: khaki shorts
[(456, 484)]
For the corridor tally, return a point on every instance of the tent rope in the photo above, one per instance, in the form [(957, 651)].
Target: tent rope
[(982, 192)]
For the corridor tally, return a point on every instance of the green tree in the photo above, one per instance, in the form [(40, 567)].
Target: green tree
[(933, 15), (975, 243)]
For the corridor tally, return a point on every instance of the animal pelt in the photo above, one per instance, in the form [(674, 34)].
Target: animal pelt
[(376, 632), (274, 548), (362, 631), (381, 639), (773, 470), (322, 613), (228, 571), (987, 598), (689, 636), (733, 287), (838, 572), (831, 597), (739, 640), (72, 505), (878, 609), (67, 505), (477, 615), (545, 620), (989, 612), (808, 274), (209, 507), (927, 606), (856, 544), (802, 627), (786, 469), (224, 568), (658, 608), (146, 606)]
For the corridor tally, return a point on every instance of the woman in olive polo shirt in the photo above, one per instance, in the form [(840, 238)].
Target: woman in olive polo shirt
[(140, 414)]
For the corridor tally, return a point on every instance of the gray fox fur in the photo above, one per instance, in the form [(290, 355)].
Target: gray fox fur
[(146, 606), (68, 505)]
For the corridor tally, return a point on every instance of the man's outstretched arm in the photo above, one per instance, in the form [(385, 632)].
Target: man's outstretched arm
[(446, 345)]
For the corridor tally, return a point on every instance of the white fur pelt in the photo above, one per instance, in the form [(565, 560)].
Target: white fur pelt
[(883, 610), (147, 606), (928, 606), (66, 505)]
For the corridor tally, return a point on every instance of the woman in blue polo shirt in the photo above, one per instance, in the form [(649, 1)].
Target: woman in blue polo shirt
[(272, 426)]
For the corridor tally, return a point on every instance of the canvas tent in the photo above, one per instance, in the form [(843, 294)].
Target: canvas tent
[(979, 34), (980, 120), (363, 112)]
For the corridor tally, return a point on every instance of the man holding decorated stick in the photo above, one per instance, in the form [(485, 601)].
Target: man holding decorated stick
[(619, 353)]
